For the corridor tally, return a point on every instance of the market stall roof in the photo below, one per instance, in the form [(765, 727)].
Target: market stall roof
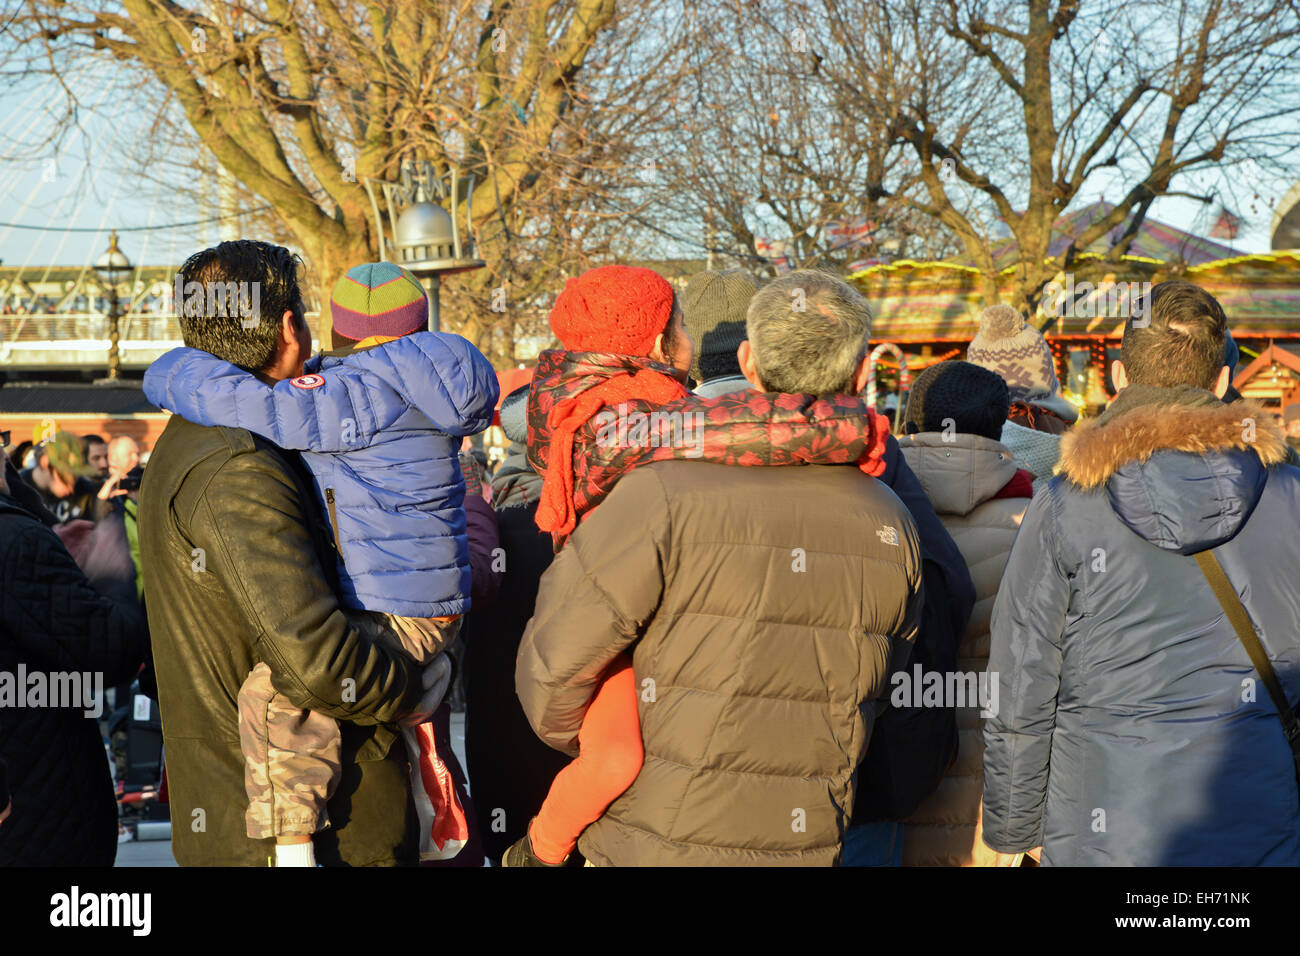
[(1154, 240), (914, 302)]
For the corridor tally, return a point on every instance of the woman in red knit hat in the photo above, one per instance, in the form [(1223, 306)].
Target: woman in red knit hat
[(625, 358)]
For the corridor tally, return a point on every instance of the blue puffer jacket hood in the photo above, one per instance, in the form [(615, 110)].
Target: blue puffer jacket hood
[(380, 429), (1131, 728)]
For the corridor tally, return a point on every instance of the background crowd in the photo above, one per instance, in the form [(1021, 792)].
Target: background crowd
[(672, 648)]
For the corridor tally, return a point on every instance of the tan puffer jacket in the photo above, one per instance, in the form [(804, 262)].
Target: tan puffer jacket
[(767, 608), (961, 477)]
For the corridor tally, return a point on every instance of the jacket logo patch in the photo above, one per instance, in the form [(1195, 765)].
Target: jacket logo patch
[(307, 381), (888, 535)]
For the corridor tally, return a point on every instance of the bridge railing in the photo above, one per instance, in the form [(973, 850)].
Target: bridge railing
[(39, 327), (81, 340)]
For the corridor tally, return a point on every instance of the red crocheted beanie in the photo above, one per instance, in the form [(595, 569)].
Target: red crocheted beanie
[(613, 309)]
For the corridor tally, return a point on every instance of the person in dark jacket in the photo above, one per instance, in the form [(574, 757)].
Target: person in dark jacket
[(240, 569), (72, 636), (378, 421), (510, 769), (756, 703), (1117, 666), (912, 747)]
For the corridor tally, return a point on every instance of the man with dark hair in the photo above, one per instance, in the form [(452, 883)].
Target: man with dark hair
[(224, 315), (1113, 646), (63, 478), (95, 452), (241, 570)]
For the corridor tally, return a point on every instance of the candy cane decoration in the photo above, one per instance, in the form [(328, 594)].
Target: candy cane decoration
[(904, 377)]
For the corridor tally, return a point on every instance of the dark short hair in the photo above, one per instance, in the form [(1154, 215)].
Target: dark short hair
[(1183, 340), (87, 441), (671, 342), (249, 341)]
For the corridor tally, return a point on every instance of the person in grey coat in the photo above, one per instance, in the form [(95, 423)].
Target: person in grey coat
[(1132, 729)]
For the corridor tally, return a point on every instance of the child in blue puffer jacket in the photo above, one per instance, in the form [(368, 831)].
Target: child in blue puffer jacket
[(379, 422)]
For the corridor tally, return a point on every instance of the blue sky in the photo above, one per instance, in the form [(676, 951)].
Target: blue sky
[(84, 186)]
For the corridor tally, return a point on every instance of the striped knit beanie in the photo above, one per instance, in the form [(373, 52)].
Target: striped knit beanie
[(378, 298), (1006, 344)]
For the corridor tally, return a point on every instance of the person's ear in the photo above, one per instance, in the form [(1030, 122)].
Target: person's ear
[(1225, 380), (289, 328), (1118, 375), (861, 375), (657, 351), (748, 367)]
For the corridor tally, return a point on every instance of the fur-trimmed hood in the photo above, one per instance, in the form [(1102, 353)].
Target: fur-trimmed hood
[(1092, 452), (1184, 477)]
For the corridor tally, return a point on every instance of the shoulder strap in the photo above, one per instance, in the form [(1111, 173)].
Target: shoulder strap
[(1231, 604)]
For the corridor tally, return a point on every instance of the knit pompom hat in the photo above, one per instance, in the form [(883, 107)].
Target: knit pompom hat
[(378, 298), (616, 309), (974, 399), (1009, 346), (713, 307)]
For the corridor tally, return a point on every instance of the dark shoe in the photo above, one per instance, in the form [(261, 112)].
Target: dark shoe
[(521, 853)]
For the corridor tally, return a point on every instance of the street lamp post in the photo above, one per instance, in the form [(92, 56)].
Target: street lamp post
[(110, 268), (426, 238)]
